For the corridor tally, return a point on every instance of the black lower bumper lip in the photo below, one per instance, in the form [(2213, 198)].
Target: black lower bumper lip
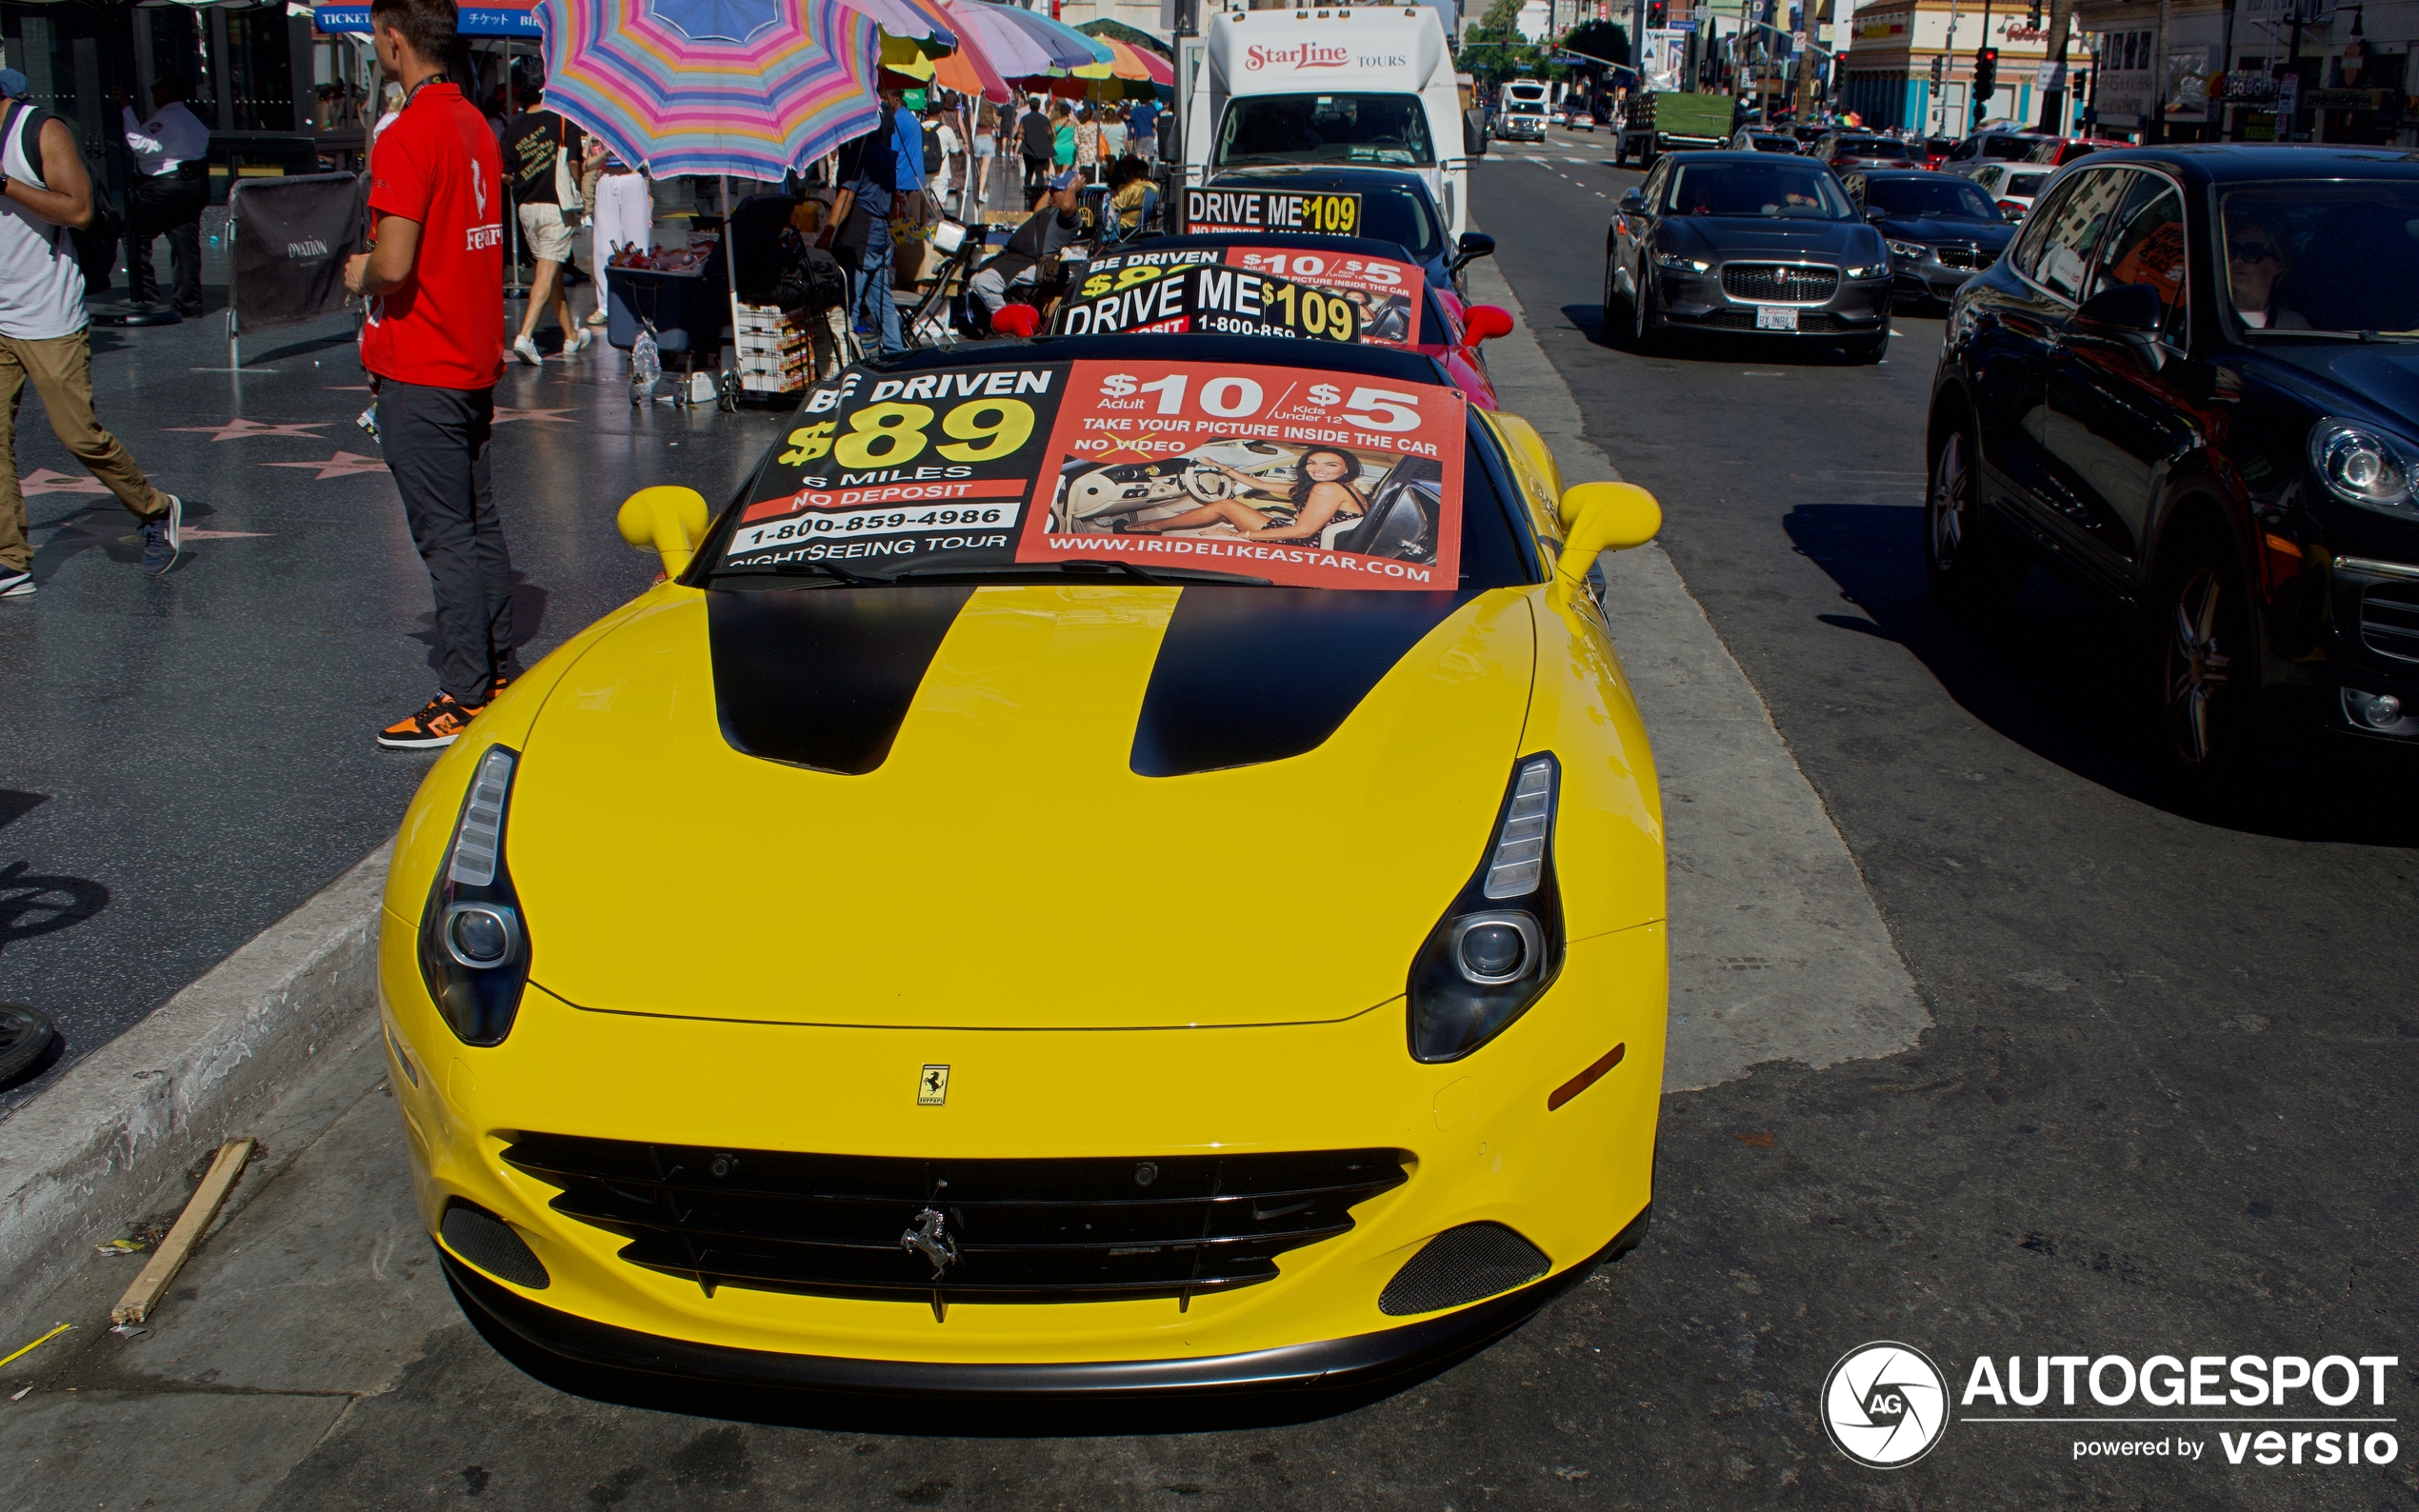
[(1359, 1361)]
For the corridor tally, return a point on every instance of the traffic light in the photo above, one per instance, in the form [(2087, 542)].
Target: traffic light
[(1659, 13), (1986, 73), (1939, 68), (2032, 15)]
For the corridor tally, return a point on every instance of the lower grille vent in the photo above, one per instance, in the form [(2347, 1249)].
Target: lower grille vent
[(1460, 1265)]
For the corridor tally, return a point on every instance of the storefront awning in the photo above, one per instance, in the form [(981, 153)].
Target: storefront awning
[(474, 21)]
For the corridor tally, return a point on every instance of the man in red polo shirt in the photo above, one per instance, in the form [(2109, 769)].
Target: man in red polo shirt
[(434, 343)]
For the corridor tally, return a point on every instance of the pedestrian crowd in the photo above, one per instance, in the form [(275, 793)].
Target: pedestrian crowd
[(432, 281)]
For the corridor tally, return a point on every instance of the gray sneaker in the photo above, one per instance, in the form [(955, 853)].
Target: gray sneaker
[(163, 538), (16, 584)]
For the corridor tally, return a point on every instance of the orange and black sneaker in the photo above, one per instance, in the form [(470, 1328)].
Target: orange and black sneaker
[(431, 729), (495, 689)]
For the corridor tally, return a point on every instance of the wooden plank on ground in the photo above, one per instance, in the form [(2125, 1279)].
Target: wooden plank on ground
[(165, 1261)]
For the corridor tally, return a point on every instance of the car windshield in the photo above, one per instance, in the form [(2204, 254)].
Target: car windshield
[(2008, 147), (2024, 185), (1873, 147), (1390, 129), (2340, 256), (1752, 186), (1918, 198)]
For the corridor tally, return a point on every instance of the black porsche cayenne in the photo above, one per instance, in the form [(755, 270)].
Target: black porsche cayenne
[(1722, 241), (2194, 387)]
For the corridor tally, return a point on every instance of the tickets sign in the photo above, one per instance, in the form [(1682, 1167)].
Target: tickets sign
[(1245, 290), (1282, 474), (1318, 214)]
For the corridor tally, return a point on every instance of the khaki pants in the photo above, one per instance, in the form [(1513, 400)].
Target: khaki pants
[(61, 371)]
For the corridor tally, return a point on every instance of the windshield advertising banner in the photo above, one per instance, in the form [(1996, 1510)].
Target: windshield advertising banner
[(1247, 291), (1217, 210), (1272, 473)]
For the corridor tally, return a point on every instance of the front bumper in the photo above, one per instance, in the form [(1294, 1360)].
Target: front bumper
[(1364, 1360), (1857, 307), (1927, 278), (1485, 1148)]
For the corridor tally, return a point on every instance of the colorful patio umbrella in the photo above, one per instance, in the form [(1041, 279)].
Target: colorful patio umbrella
[(1129, 62), (747, 87), (1067, 48), (1013, 53)]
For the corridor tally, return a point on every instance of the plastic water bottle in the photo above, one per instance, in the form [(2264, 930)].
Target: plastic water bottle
[(646, 365)]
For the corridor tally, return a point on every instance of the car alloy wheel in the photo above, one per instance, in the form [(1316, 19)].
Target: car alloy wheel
[(2200, 669), (1641, 311), (1970, 561), (1612, 300)]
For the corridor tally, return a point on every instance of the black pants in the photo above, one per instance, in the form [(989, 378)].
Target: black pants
[(1037, 176), (168, 204), (435, 443)]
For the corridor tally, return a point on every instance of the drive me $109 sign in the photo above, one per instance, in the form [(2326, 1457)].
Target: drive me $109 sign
[(1283, 475)]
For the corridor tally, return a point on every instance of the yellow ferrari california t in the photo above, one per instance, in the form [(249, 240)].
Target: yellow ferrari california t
[(1114, 864)]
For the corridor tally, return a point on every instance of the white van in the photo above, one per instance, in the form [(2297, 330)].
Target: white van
[(1342, 86)]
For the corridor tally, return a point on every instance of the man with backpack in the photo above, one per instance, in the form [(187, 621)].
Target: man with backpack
[(1037, 140), (541, 153), (45, 337)]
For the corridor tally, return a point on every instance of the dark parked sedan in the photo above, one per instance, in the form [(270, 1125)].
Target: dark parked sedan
[(1941, 231), (2194, 387), (1745, 242)]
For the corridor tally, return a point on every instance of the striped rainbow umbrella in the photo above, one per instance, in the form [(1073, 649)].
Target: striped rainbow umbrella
[(747, 87)]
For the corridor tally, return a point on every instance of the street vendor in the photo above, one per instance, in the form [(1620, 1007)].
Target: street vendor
[(1052, 225)]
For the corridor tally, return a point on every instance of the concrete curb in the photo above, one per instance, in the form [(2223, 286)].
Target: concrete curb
[(112, 1139)]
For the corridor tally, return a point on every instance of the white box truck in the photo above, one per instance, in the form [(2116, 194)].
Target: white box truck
[(1331, 86)]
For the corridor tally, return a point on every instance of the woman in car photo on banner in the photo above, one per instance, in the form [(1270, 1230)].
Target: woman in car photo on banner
[(1321, 492)]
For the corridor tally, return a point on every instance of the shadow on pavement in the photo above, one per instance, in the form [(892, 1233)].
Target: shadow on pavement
[(933, 1416), (1715, 347), (2062, 675)]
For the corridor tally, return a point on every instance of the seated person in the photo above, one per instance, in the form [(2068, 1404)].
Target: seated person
[(1321, 495), (2257, 258), (1129, 186), (1052, 225)]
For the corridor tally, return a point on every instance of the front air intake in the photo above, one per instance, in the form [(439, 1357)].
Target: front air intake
[(1461, 1265), (489, 1242)]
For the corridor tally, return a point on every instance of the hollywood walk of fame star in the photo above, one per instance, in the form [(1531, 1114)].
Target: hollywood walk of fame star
[(343, 465), (42, 479), (245, 430), (504, 416)]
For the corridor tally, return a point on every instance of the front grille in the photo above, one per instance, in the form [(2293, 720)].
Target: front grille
[(1020, 1230), (1812, 322), (2390, 619), (1779, 282), (1967, 257)]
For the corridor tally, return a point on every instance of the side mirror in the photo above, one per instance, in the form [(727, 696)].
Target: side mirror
[(2133, 309), (1874, 212), (1596, 518), (1472, 246), (671, 520), (1484, 322), (1633, 203)]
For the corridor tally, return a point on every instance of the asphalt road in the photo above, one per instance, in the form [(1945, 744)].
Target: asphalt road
[(2161, 1111), (184, 760)]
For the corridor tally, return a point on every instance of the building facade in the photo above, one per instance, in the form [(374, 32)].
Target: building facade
[(1909, 65)]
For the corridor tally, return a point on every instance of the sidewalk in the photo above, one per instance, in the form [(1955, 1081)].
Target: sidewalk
[(187, 760)]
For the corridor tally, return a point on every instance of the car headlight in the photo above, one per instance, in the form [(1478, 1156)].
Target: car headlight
[(474, 951), (1876, 271), (2365, 466), (1914, 249), (1499, 947), (1684, 265)]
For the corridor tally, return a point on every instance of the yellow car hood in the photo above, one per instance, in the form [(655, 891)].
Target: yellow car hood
[(984, 851)]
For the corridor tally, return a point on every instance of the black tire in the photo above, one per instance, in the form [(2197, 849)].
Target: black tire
[(25, 1033), (2204, 668), (1644, 334), (1615, 310), (1969, 555)]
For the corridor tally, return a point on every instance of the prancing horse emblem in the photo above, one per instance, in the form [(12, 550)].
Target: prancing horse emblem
[(930, 1238)]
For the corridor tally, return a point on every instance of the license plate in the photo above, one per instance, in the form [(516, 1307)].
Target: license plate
[(1775, 317)]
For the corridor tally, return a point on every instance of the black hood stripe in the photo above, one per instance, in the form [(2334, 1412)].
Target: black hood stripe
[(1246, 675), (823, 677)]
